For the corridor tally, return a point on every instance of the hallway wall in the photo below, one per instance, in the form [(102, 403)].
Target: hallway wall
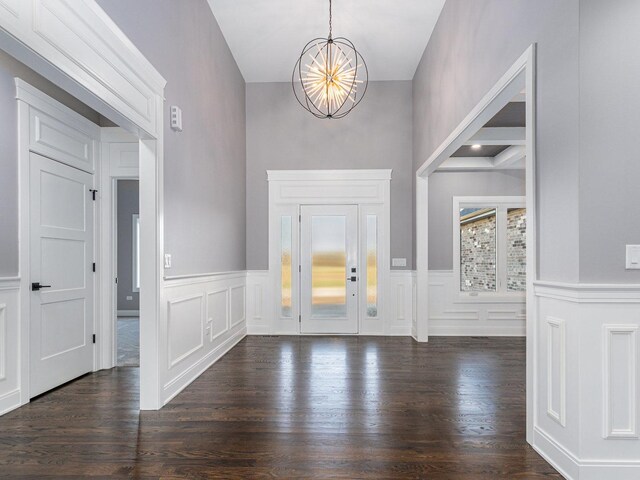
[(204, 166), (609, 122), (281, 135), (473, 45)]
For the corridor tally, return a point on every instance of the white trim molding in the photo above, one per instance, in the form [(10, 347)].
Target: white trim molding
[(327, 175), (78, 47), (587, 421)]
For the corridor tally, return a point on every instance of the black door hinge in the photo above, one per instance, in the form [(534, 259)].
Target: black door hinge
[(94, 266), (116, 280), (93, 193), (94, 338)]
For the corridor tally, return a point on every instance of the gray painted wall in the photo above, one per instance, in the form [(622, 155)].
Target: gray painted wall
[(609, 126), (128, 205), (204, 166), (9, 69), (443, 186), (281, 135), (473, 45)]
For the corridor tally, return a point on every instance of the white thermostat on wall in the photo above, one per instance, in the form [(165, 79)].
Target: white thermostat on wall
[(176, 118)]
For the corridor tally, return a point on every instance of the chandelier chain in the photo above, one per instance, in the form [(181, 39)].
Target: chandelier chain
[(330, 20)]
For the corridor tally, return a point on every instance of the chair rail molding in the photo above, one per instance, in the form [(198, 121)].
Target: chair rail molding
[(587, 422)]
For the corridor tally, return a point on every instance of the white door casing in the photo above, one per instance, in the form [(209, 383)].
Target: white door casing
[(61, 225), (328, 257)]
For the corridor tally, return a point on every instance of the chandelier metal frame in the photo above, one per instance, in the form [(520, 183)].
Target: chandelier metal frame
[(330, 86)]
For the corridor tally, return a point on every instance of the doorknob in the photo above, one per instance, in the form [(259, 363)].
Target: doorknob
[(36, 286)]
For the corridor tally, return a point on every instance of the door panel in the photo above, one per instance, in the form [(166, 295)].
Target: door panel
[(61, 323), (329, 247)]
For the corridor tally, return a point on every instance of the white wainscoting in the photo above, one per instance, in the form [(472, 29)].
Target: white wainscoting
[(9, 344), (449, 315), (204, 317), (588, 376)]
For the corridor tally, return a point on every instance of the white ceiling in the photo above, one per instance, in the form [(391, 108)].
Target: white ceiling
[(267, 36)]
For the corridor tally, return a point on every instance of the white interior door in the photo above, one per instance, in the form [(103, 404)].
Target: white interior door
[(329, 269), (61, 258)]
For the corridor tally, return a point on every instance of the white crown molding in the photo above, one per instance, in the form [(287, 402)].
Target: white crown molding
[(588, 292), (328, 175)]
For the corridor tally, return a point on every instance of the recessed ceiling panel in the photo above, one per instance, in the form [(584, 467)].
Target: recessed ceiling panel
[(483, 151), (266, 37)]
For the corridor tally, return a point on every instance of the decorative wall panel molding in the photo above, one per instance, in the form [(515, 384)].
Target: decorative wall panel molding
[(185, 322), (556, 370), (237, 304), (620, 381)]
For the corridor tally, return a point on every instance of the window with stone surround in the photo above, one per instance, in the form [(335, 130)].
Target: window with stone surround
[(490, 245)]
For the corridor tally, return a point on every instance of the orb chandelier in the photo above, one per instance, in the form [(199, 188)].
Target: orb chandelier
[(330, 77)]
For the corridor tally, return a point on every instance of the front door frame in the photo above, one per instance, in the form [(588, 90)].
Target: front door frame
[(288, 191), (353, 253), (520, 77)]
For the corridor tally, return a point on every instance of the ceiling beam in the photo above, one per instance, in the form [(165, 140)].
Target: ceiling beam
[(509, 157), (467, 164), (499, 136)]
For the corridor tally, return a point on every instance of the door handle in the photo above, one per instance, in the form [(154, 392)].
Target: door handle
[(36, 286), (352, 279)]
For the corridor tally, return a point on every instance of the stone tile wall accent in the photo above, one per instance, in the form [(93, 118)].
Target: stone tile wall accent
[(516, 250), (478, 255)]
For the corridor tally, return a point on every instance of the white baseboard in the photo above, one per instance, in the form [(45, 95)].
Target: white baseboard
[(9, 401), (128, 313), (561, 459)]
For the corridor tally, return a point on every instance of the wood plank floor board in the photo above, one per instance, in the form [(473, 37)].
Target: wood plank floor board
[(294, 407)]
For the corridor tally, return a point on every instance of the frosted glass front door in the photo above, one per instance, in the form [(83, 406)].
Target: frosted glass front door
[(329, 269)]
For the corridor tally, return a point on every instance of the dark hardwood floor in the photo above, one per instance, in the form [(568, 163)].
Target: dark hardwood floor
[(294, 407)]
